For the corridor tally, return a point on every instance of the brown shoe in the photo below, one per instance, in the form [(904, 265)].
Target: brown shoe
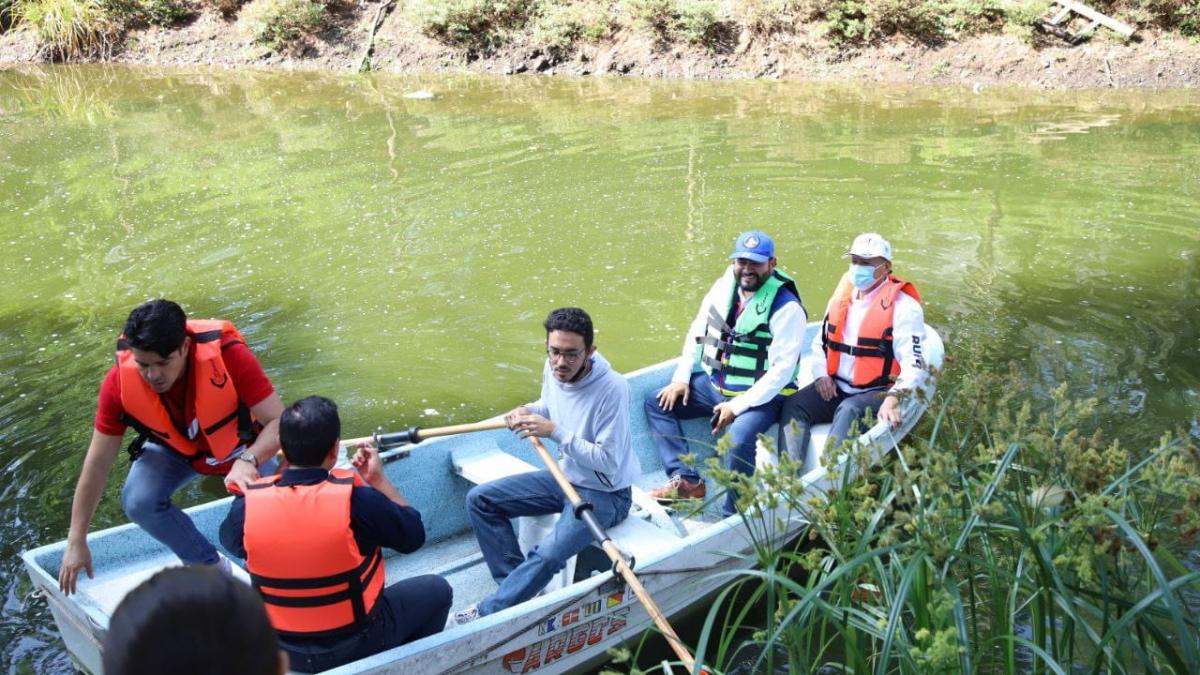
[(678, 488)]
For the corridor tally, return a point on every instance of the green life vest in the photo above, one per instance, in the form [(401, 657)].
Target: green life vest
[(735, 358)]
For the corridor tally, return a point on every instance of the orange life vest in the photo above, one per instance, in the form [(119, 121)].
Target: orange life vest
[(303, 559), (874, 361), (221, 425)]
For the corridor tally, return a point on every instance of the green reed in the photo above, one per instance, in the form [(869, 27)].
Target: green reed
[(1004, 535)]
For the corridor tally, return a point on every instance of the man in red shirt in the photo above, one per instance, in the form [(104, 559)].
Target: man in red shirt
[(200, 403)]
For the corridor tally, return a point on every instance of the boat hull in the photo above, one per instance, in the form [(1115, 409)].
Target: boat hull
[(681, 560)]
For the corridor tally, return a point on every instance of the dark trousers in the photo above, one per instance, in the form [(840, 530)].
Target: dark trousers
[(407, 610), (806, 408)]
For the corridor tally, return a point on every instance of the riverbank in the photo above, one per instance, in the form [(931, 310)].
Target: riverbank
[(374, 36)]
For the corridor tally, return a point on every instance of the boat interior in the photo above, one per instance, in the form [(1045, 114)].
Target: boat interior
[(435, 476)]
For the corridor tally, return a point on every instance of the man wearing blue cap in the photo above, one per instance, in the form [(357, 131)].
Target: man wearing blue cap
[(745, 342)]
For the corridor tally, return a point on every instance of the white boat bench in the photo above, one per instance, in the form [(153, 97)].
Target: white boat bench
[(647, 530)]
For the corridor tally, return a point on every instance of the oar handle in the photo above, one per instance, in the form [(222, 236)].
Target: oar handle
[(385, 440), (583, 512)]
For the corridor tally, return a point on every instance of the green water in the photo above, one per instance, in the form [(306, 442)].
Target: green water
[(399, 254)]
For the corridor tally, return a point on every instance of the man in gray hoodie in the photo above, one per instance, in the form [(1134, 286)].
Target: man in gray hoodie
[(584, 408)]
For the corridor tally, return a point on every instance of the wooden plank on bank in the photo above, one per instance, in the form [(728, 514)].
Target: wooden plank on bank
[(1096, 17)]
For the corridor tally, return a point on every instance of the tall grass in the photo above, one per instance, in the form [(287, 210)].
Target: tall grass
[(70, 29), (1004, 536)]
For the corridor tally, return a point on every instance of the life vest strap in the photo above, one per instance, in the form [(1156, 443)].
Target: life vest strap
[(364, 571), (744, 372), (854, 350), (207, 336), (223, 421), (355, 582), (723, 344), (717, 322), (753, 339), (306, 600)]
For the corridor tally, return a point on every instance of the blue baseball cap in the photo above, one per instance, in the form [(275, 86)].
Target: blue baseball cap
[(754, 245)]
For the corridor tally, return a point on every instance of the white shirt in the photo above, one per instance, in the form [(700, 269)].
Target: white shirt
[(787, 336), (908, 335)]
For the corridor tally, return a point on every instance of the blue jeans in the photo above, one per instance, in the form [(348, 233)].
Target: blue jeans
[(806, 408), (668, 437), (492, 505), (146, 498)]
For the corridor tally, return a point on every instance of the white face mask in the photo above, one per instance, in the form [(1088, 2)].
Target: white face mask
[(862, 276)]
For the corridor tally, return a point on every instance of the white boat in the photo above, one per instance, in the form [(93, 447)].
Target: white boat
[(678, 557)]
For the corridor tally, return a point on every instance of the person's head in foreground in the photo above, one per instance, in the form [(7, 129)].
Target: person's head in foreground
[(192, 620)]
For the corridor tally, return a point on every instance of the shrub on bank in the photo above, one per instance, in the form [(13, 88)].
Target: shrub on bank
[(280, 23), (693, 20), (562, 24), (478, 25), (1181, 15), (151, 12), (226, 8), (929, 21)]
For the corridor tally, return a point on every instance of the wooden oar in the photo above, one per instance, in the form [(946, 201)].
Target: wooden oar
[(415, 434), (384, 441), (583, 512)]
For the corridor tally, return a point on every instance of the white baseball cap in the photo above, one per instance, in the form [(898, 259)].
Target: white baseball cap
[(870, 245)]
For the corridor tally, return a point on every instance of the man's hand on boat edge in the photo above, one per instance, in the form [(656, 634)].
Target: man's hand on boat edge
[(76, 556), (890, 411)]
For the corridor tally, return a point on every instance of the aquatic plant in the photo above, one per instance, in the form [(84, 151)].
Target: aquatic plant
[(1005, 535)]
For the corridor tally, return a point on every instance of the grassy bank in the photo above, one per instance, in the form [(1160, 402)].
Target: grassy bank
[(1006, 535), (88, 29)]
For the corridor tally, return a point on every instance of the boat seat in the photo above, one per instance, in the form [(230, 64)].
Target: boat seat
[(641, 538), (480, 467)]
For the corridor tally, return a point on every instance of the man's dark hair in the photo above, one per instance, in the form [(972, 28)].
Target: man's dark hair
[(191, 621), (157, 326), (307, 429), (570, 319)]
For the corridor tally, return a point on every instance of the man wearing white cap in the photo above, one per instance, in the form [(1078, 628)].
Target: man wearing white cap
[(744, 346), (868, 351)]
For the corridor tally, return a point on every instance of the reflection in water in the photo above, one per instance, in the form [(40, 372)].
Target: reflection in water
[(398, 254)]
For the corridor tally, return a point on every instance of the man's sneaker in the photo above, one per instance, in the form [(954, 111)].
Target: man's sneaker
[(223, 566), (466, 615), (679, 488)]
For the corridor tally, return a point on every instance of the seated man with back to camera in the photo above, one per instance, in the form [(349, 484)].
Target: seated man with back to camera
[(314, 532), (868, 352)]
